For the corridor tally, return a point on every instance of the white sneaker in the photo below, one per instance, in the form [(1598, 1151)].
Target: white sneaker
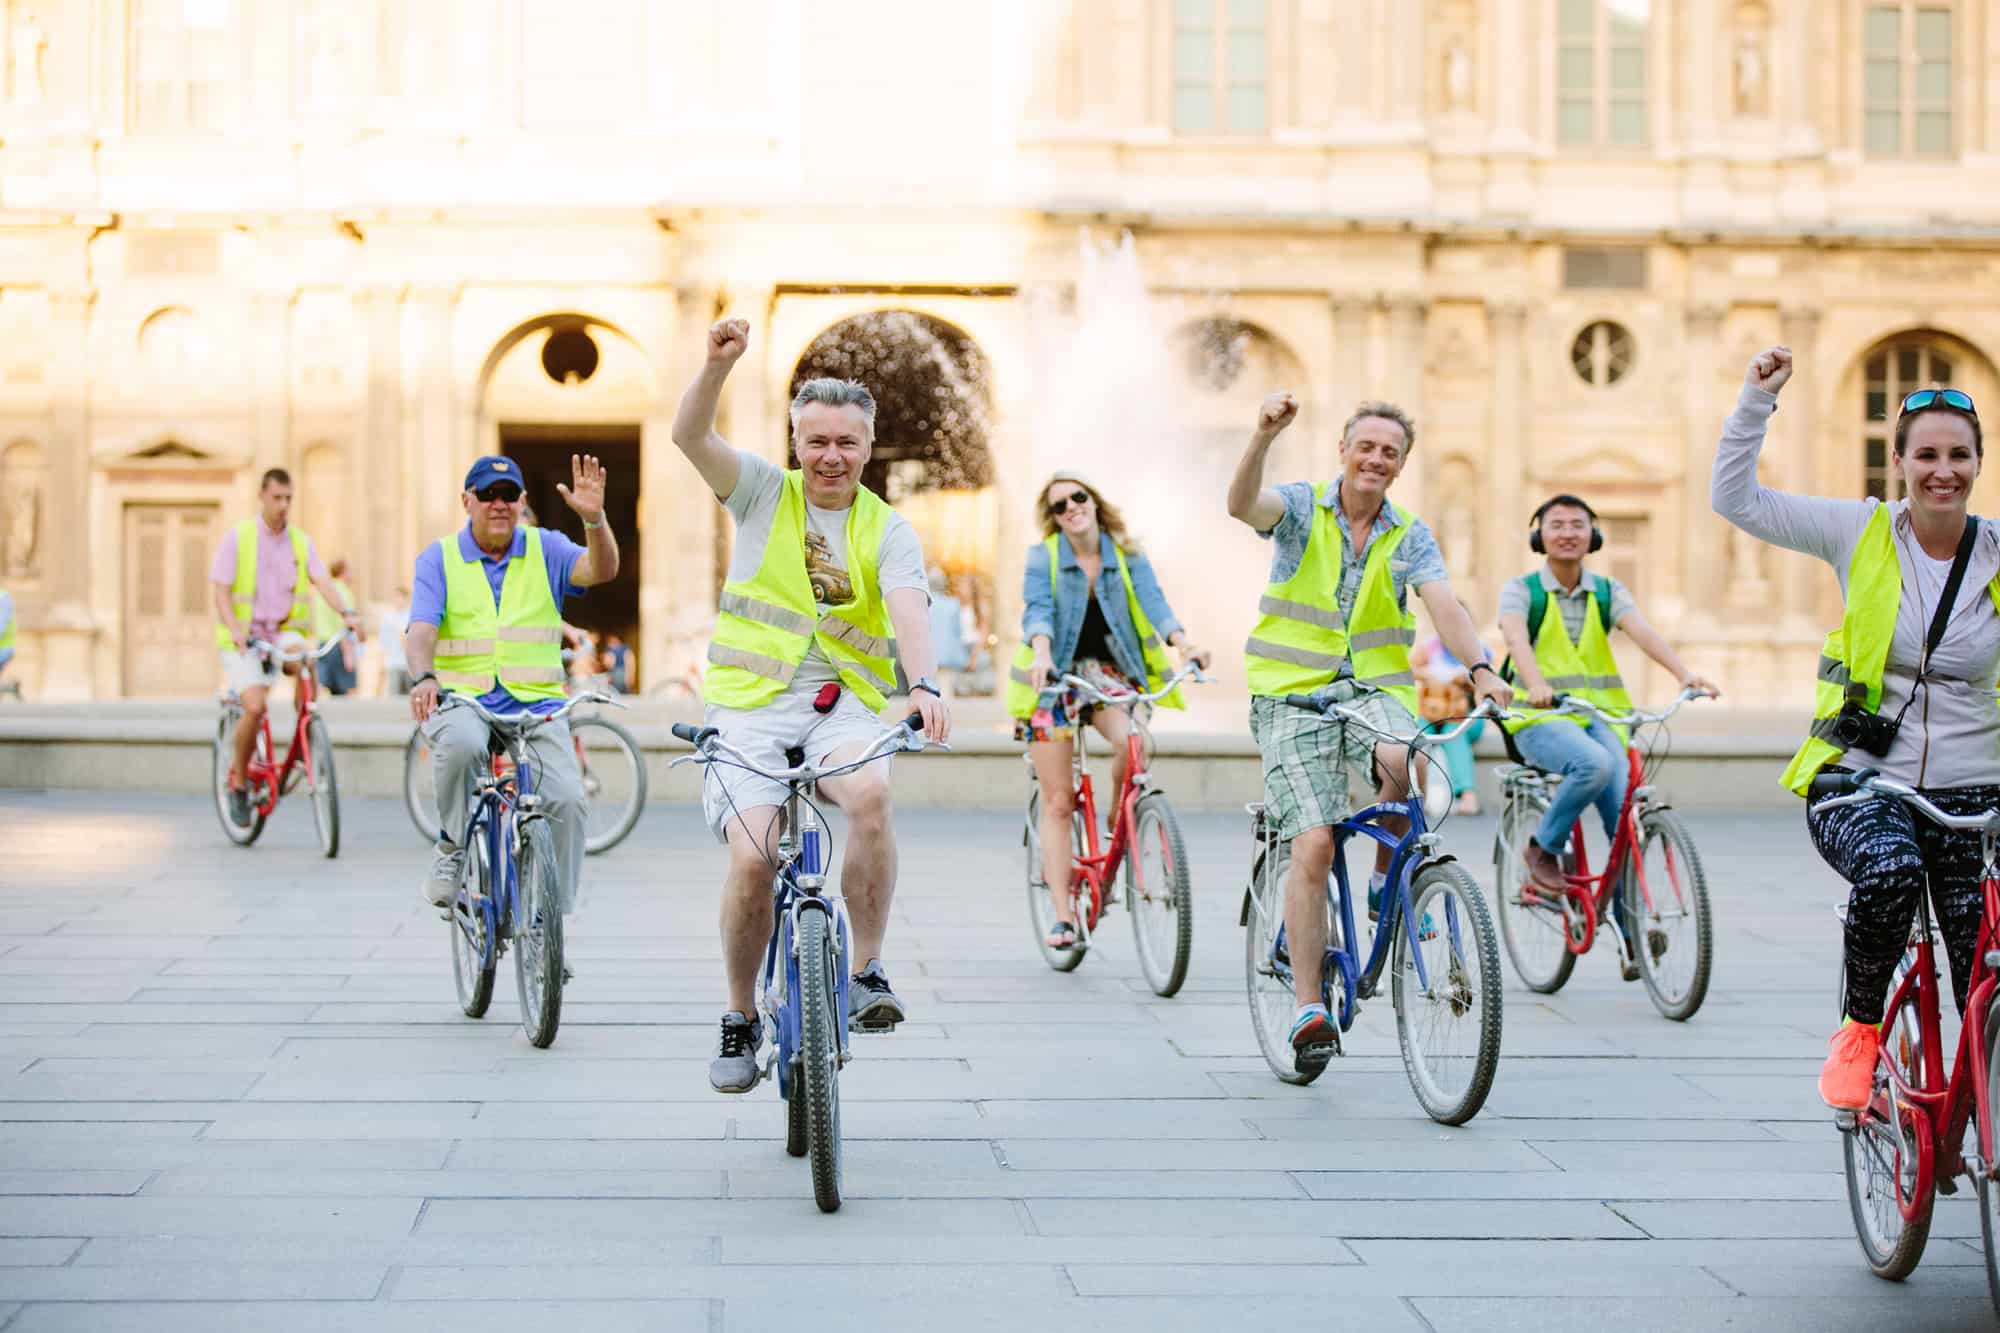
[(446, 871)]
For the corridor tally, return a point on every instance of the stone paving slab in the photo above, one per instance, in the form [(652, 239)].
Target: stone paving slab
[(236, 1092)]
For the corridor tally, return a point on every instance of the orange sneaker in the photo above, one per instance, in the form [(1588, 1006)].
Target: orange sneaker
[(1849, 1072)]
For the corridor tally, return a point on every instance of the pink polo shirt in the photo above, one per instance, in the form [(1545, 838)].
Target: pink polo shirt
[(277, 572)]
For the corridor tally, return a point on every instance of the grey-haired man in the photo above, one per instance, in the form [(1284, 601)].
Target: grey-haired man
[(816, 686)]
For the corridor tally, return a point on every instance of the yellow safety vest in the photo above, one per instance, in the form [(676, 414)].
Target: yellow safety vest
[(243, 589), (766, 623), (518, 643), (1302, 641), (7, 630), (1021, 693), (1854, 657), (1586, 670)]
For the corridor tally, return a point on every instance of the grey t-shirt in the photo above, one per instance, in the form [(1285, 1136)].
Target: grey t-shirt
[(899, 562), (1951, 735), (1514, 600)]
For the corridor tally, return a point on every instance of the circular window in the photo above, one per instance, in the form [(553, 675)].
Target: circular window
[(1602, 353), (569, 356)]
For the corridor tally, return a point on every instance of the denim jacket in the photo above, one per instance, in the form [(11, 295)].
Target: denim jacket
[(1061, 617)]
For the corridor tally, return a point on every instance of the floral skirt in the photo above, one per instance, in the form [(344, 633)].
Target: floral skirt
[(1062, 714)]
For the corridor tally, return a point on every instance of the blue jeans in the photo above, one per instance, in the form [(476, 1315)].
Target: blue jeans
[(1592, 762)]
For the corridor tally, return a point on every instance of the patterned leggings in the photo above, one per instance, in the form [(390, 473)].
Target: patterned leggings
[(1887, 852)]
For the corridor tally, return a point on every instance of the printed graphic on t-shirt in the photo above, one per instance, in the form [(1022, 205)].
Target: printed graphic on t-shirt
[(830, 584)]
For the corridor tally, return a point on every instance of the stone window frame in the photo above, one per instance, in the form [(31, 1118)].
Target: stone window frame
[(1907, 53), (1603, 46), (1225, 21)]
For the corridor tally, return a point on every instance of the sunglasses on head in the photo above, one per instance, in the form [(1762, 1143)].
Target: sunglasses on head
[(1952, 398), (499, 490), (1061, 504)]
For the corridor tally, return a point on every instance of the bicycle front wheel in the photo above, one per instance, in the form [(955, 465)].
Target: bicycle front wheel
[(538, 937), (1267, 976), (614, 781), (819, 1057), (325, 788), (420, 785), (224, 750), (1041, 912), (1989, 1190), (1676, 936), (1537, 937), (1158, 895), (474, 951), (1887, 1159), (1448, 1023)]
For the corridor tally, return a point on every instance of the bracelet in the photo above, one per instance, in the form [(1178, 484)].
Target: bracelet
[(588, 524), (1480, 666), (428, 675)]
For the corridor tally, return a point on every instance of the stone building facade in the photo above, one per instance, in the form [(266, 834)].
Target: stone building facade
[(370, 239)]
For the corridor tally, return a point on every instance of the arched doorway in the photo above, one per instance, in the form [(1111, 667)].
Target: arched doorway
[(932, 458), (567, 384)]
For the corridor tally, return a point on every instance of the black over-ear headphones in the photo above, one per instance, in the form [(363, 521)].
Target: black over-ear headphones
[(1535, 542)]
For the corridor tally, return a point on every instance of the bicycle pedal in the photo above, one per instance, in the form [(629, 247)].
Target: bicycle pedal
[(1312, 1059), (876, 1028)]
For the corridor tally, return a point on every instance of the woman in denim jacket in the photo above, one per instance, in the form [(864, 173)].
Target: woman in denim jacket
[(1093, 608)]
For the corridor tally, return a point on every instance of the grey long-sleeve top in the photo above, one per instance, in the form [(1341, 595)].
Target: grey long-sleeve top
[(1951, 735)]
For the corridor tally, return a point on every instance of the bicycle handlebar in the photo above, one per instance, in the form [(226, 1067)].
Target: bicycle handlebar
[(1853, 788), (277, 653), (1132, 698), (522, 724), (1569, 703), (1486, 710), (709, 747)]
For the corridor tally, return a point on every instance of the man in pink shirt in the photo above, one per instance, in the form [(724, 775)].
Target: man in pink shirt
[(274, 607)]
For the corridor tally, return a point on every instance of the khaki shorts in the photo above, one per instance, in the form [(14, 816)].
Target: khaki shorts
[(250, 670), (765, 733), (1310, 761)]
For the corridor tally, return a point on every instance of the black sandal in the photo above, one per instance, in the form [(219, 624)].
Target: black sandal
[(1061, 937)]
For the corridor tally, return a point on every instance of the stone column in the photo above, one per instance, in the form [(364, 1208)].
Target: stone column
[(1703, 535), (677, 578), (270, 385), (1506, 324), (69, 639), (1511, 66), (1405, 388), (376, 460), (1350, 369), (426, 451), (1403, 37), (1798, 427)]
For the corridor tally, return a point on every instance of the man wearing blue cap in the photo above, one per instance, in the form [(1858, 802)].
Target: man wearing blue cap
[(486, 623)]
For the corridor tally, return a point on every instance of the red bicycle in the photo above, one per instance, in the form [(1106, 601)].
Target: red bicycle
[(1652, 883), (1157, 892), (309, 756), (1907, 1145)]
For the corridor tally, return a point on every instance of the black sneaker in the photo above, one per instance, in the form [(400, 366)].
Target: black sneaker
[(239, 806), (734, 1069), (871, 1005)]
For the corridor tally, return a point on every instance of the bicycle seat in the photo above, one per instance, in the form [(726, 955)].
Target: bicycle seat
[(795, 756)]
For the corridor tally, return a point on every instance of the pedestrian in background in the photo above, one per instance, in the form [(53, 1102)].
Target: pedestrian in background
[(395, 664), (336, 669), (947, 630)]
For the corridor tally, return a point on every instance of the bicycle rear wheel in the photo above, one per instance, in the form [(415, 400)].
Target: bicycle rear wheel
[(1676, 943), (614, 781), (1537, 938), (819, 1057), (224, 750), (474, 952), (538, 937), (1449, 1028), (1887, 1159), (1268, 986), (419, 784), (325, 788), (1158, 896), (1041, 912)]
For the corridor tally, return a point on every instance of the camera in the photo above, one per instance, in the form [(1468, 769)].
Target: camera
[(1858, 729)]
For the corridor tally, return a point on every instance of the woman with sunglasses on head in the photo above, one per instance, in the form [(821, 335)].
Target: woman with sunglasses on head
[(1907, 681), (1091, 608)]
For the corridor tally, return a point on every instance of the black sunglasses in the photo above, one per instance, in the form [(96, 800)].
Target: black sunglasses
[(1952, 398), (499, 490), (1058, 507)]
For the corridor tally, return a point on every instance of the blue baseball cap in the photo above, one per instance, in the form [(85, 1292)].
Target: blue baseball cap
[(492, 468)]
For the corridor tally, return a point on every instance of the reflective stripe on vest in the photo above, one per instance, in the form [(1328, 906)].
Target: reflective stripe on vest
[(1855, 657), (243, 584), (1302, 641), (1021, 694), (767, 623), (1585, 669), (517, 643)]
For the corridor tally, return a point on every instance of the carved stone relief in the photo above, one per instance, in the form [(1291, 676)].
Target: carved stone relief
[(24, 485)]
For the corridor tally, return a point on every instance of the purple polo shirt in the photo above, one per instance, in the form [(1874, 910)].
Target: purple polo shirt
[(559, 554), (277, 575)]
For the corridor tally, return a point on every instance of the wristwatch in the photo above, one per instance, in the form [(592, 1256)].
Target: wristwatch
[(926, 683), (428, 675), (1480, 666)]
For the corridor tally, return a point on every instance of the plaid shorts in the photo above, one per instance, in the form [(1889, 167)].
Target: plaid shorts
[(1309, 761)]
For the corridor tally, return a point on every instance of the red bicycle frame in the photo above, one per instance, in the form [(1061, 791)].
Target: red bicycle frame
[(1590, 895), (1094, 869), (267, 780)]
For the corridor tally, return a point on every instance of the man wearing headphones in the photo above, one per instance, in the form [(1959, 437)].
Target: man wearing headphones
[(1569, 652)]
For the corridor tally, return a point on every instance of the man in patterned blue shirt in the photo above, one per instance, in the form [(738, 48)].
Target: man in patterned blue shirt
[(1308, 759)]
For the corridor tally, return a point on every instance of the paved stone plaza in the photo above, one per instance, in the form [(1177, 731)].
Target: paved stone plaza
[(238, 1094)]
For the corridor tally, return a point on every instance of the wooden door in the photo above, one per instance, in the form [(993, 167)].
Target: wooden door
[(169, 622)]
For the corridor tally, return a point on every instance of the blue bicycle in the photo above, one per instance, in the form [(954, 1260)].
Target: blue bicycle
[(1435, 938), (802, 985), (514, 894)]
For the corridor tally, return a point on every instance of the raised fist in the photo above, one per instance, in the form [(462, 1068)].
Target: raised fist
[(728, 339), (1276, 413), (1770, 369)]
